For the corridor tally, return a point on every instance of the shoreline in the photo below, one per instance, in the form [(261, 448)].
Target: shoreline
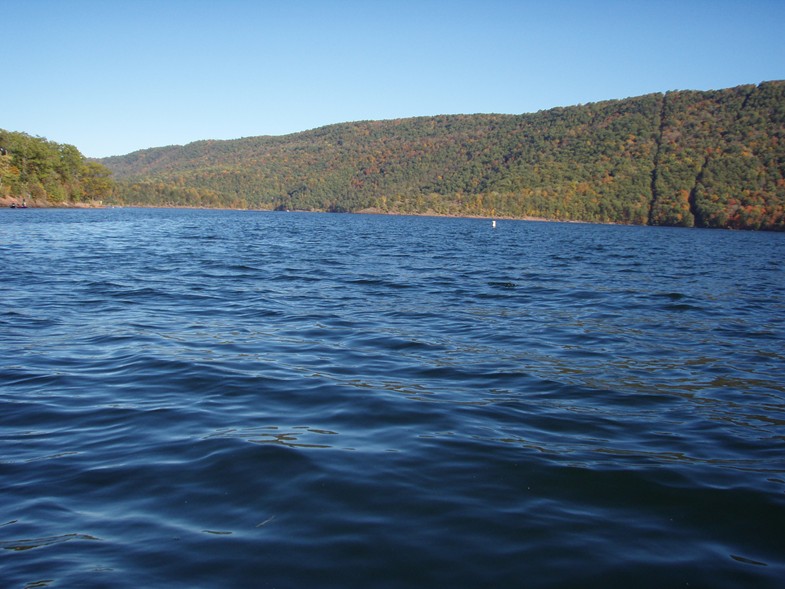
[(13, 202), (6, 202), (373, 211), (370, 211)]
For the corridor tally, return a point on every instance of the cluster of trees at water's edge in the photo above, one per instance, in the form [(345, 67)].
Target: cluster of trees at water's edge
[(35, 171)]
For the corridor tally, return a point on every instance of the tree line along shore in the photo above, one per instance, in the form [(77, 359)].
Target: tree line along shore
[(683, 158), (35, 172)]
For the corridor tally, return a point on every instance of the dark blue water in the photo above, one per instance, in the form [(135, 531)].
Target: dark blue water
[(244, 399)]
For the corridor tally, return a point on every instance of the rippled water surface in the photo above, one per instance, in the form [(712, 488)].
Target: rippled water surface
[(245, 399)]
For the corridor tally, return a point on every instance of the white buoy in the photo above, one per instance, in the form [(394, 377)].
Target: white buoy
[(494, 223)]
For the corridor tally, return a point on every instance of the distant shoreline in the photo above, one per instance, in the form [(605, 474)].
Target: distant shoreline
[(367, 211), (7, 202)]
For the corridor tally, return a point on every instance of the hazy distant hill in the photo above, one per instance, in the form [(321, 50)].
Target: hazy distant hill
[(711, 159)]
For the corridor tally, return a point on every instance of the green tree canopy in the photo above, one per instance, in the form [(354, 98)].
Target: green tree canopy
[(45, 172)]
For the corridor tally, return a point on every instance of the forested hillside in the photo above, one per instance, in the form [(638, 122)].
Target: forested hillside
[(708, 159), (37, 172)]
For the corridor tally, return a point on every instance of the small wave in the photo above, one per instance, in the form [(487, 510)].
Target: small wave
[(32, 543)]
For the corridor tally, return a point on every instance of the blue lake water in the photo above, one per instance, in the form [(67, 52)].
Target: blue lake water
[(248, 399)]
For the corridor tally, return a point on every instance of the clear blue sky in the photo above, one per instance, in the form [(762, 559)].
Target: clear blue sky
[(113, 76)]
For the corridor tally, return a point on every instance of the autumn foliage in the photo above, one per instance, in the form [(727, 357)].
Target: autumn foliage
[(706, 159)]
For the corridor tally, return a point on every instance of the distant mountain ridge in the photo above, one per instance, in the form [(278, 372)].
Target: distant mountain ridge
[(686, 158)]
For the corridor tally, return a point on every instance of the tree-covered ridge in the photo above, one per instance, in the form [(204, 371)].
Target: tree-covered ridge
[(34, 171), (721, 158), (709, 159)]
